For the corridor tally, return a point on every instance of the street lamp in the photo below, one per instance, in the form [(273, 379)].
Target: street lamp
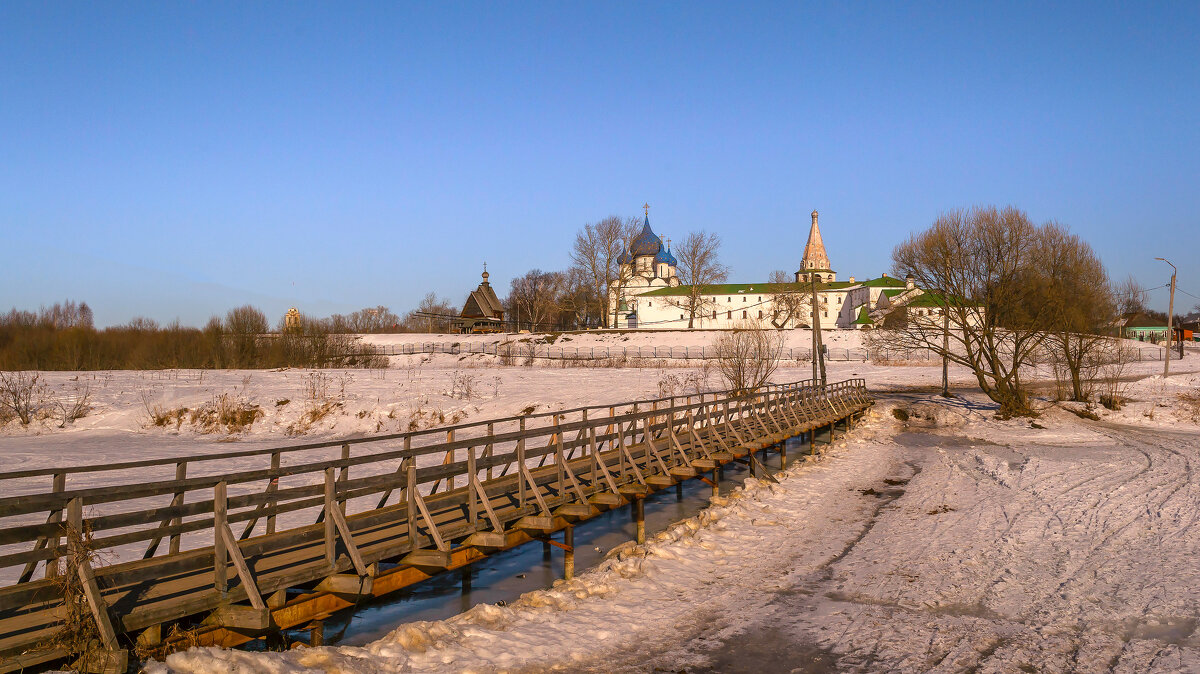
[(1170, 318)]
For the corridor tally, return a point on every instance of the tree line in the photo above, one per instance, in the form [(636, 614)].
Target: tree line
[(63, 337)]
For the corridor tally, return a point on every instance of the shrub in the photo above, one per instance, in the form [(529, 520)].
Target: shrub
[(21, 395)]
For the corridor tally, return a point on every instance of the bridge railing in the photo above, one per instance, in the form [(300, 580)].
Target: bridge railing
[(189, 535), (165, 505)]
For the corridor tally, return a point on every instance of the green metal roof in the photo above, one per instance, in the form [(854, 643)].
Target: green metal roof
[(931, 299), (892, 292), (863, 317), (885, 282), (748, 288)]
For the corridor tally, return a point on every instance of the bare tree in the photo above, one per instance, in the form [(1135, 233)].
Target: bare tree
[(748, 355), (1130, 297), (790, 302), (431, 315), (245, 325), (984, 267), (596, 255), (1079, 289), (534, 298), (698, 267)]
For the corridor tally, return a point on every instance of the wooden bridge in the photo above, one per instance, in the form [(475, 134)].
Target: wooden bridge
[(220, 549)]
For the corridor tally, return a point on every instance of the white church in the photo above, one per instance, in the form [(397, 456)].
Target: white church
[(648, 293)]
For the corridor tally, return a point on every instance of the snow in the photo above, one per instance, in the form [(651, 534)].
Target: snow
[(951, 540)]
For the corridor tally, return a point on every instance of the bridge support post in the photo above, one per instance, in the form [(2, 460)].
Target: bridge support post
[(812, 442), (716, 481), (569, 553), (783, 455), (679, 490), (639, 518)]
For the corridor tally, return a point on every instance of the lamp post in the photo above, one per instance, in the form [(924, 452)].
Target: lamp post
[(1170, 318)]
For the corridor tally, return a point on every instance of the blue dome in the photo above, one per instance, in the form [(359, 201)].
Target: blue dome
[(647, 243), (624, 258), (665, 255)]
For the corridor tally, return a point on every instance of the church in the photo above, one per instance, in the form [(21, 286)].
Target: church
[(648, 293)]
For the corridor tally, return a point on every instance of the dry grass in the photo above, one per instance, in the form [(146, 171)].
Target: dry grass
[(224, 411), (1190, 403)]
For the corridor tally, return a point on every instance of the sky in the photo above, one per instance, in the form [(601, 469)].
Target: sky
[(173, 160)]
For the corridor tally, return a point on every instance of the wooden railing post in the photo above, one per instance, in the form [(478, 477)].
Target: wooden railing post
[(450, 459), (521, 466), (559, 459), (330, 526), (472, 504), (177, 500), (487, 452), (275, 484), (410, 492), (344, 474), (220, 554)]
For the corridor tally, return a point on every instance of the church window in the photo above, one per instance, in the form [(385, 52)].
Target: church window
[(743, 314), (681, 317), (714, 314), (760, 313), (728, 314), (743, 298), (728, 299)]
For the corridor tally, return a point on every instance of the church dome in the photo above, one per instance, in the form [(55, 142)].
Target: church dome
[(665, 255), (624, 258), (647, 243)]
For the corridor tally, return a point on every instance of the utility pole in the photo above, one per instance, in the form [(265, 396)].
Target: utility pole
[(945, 349), (1170, 319), (818, 355)]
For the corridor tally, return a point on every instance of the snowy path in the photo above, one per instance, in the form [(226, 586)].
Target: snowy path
[(1068, 549), (984, 545)]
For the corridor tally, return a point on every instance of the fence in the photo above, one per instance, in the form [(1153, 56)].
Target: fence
[(518, 351)]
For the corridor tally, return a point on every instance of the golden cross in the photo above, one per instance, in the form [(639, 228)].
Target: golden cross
[(647, 207), (668, 243)]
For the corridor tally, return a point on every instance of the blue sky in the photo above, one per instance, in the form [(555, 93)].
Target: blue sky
[(174, 160)]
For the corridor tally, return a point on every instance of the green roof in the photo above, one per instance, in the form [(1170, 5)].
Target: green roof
[(931, 299), (892, 292), (748, 288), (885, 282), (863, 317)]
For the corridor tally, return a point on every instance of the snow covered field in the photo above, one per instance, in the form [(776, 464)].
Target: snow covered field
[(945, 542)]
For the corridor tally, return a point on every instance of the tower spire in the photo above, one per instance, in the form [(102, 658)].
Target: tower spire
[(815, 256)]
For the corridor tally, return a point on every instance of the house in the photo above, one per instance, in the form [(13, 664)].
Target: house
[(482, 312), (1143, 328)]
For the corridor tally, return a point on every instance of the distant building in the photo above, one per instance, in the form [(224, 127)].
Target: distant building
[(291, 320), (482, 312), (649, 295)]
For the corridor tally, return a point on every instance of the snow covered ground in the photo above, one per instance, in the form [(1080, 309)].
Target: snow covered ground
[(949, 541)]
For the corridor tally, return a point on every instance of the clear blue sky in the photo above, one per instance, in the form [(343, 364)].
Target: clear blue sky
[(170, 159)]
